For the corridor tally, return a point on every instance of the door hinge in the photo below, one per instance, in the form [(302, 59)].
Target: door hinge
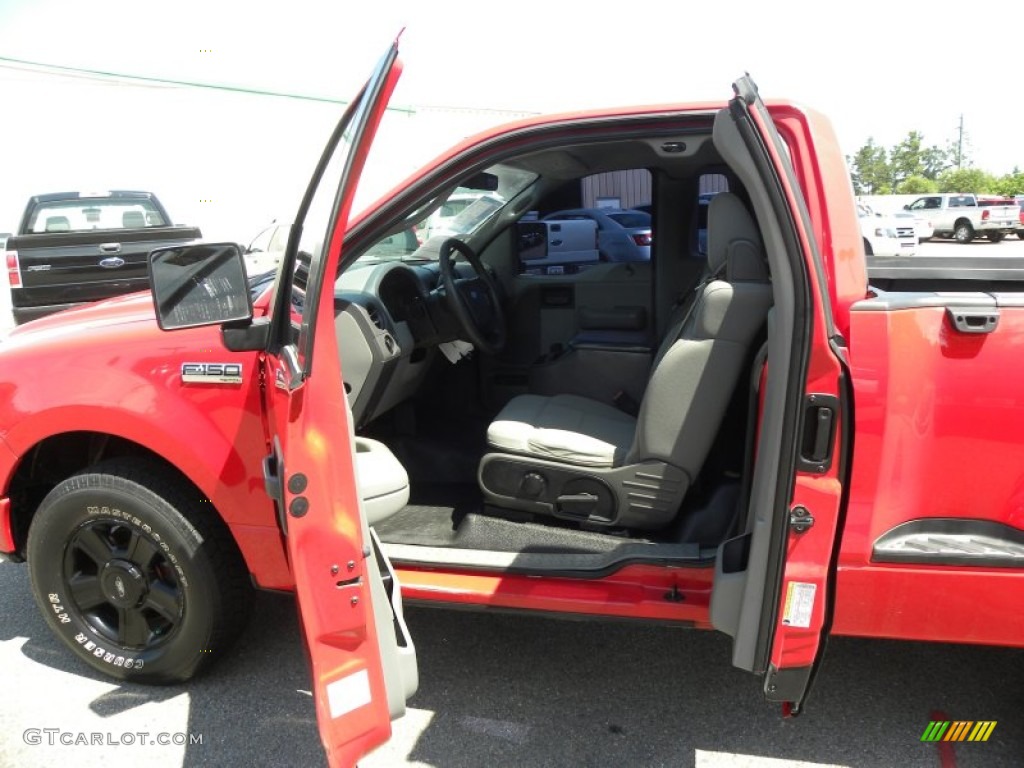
[(800, 519)]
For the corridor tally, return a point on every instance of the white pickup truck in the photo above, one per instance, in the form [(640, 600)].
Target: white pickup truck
[(886, 235), (966, 217), (556, 247)]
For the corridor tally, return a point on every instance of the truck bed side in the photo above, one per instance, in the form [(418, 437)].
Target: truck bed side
[(933, 547)]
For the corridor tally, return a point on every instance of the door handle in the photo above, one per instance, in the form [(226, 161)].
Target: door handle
[(110, 247), (818, 432), (973, 320)]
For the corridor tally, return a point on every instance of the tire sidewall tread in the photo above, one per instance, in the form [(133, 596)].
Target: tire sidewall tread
[(211, 574)]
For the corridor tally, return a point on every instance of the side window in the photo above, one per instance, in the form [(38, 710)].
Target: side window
[(610, 223)]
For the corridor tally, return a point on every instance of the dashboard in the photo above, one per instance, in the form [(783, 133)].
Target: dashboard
[(389, 321)]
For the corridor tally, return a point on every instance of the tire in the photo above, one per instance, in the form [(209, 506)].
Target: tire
[(964, 232), (995, 237), (132, 572)]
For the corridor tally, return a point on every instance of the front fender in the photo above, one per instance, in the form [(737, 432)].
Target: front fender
[(128, 384)]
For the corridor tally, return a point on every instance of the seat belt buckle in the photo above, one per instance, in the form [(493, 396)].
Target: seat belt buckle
[(626, 404)]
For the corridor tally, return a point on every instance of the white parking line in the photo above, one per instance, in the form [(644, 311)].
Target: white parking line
[(709, 759)]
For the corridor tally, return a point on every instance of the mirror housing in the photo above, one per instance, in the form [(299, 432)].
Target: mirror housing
[(198, 285), (483, 181)]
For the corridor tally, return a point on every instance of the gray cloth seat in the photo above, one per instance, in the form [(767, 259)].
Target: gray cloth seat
[(133, 219), (566, 439), (567, 428), (58, 224)]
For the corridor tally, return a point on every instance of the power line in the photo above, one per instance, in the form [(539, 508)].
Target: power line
[(9, 62)]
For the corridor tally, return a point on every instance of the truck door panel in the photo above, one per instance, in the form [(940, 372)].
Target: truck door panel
[(937, 491)]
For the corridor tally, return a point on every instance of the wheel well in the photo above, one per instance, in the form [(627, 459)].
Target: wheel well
[(963, 221), (55, 459)]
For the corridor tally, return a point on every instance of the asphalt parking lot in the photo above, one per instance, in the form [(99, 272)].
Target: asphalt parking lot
[(1011, 246), (504, 690)]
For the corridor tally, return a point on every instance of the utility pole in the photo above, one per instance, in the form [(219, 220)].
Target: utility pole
[(960, 145)]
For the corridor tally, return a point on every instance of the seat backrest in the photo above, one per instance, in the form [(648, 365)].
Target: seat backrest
[(703, 355), (133, 219), (58, 224)]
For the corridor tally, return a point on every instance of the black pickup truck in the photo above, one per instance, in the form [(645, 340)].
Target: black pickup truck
[(77, 247)]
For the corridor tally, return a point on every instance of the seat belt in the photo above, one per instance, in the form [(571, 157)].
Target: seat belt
[(750, 444), (622, 400)]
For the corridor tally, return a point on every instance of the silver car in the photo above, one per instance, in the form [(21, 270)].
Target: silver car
[(621, 235)]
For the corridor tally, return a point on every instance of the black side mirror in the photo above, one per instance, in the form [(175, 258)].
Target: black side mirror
[(199, 285)]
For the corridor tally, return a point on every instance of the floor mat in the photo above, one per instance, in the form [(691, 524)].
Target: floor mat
[(453, 516)]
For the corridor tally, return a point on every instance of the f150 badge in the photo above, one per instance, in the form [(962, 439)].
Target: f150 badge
[(211, 373)]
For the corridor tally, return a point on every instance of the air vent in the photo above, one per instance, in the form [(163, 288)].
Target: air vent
[(375, 317)]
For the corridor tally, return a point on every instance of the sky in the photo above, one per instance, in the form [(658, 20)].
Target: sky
[(232, 161)]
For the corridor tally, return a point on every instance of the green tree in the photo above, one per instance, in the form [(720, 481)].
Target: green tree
[(869, 170), (912, 158), (934, 161), (1010, 184), (967, 180), (917, 185), (905, 159)]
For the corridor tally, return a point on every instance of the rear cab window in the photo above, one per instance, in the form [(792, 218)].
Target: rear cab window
[(87, 214)]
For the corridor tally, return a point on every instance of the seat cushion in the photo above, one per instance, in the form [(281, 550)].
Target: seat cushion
[(565, 428)]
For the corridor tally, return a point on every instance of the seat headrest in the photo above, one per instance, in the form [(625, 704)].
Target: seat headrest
[(734, 241), (58, 224), (132, 219)]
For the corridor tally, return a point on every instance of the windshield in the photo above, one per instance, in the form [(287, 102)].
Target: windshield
[(460, 214)]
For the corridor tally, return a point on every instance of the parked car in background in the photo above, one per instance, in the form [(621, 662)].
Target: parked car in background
[(922, 227), (885, 235), (965, 217), (1019, 199), (556, 247), (265, 250), (622, 235), (77, 247)]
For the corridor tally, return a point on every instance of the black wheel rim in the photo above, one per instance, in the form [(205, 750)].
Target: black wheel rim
[(122, 584)]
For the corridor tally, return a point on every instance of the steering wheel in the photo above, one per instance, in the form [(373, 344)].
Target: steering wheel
[(473, 300)]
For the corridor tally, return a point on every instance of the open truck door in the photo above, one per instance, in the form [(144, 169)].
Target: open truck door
[(362, 659), (774, 581)]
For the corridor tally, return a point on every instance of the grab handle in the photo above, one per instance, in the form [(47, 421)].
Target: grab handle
[(973, 320)]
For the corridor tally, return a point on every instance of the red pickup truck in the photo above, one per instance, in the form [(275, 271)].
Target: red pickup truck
[(756, 440)]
